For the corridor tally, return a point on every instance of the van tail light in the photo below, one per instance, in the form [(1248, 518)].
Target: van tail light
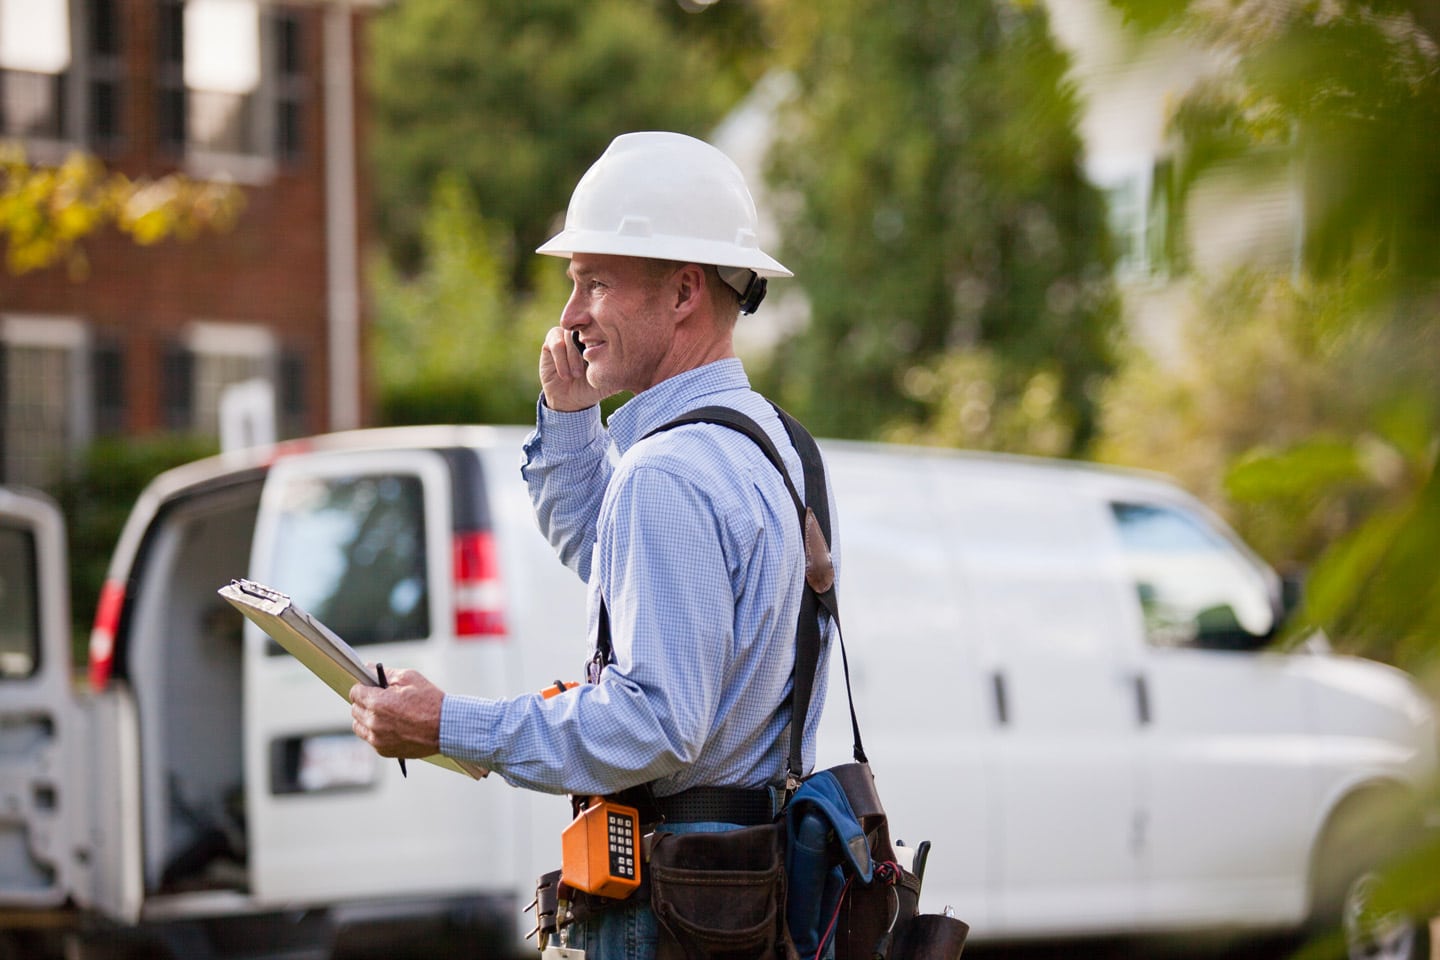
[(479, 611), (102, 633)]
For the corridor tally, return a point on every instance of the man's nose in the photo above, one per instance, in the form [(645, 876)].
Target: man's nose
[(573, 315)]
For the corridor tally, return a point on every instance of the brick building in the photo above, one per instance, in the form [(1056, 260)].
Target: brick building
[(267, 94)]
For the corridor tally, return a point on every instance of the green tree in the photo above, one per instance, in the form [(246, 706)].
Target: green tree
[(941, 226), (517, 99), (455, 343)]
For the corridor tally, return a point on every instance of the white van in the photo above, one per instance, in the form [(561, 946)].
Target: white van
[(1058, 672), (1062, 677), (215, 782)]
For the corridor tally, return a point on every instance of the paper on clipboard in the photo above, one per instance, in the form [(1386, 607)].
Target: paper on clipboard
[(316, 646)]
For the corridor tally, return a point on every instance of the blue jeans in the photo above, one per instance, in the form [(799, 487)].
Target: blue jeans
[(629, 931)]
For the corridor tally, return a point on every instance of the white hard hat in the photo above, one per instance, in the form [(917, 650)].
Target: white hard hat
[(666, 196)]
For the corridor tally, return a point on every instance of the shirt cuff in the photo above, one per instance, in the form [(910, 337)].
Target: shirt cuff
[(560, 433), (567, 428), (465, 728)]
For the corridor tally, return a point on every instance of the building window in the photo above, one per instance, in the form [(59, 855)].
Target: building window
[(1162, 245), (211, 357), (47, 408), (222, 75), (232, 86), (1139, 206), (62, 76), (34, 65)]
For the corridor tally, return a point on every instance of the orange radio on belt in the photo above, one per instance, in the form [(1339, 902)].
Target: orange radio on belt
[(600, 850)]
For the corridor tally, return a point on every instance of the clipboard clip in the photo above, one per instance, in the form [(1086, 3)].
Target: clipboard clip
[(251, 588)]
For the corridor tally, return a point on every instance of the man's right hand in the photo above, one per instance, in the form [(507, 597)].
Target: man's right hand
[(562, 374)]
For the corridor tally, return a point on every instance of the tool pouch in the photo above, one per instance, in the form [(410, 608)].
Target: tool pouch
[(874, 917), (931, 936), (877, 915), (720, 896), (558, 905), (547, 905)]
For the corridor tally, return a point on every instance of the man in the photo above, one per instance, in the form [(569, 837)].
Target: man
[(688, 541)]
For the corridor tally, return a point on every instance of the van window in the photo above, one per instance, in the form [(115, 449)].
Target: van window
[(351, 550), (1195, 589), (19, 609)]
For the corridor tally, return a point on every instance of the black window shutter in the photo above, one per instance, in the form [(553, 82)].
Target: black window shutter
[(107, 371), (177, 388)]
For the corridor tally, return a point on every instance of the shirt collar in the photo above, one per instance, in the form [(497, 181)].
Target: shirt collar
[(670, 398)]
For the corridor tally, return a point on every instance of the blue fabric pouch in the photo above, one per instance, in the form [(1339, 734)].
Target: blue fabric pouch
[(825, 840)]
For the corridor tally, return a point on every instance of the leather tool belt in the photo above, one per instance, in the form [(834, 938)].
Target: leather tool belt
[(742, 806)]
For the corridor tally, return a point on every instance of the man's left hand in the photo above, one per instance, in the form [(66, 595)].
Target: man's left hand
[(400, 720)]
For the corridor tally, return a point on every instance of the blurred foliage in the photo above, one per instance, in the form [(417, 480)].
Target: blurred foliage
[(1289, 410), (1348, 89), (455, 343), (935, 212), (46, 212), (518, 99), (1313, 394), (974, 402), (98, 496)]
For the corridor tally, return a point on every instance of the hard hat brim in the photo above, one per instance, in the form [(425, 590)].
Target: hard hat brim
[(683, 250)]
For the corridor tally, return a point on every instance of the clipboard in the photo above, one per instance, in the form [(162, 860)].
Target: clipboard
[(317, 647)]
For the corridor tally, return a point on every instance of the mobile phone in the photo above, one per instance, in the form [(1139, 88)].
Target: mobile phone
[(575, 339)]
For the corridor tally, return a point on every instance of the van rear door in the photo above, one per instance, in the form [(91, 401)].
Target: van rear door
[(39, 808), (367, 542)]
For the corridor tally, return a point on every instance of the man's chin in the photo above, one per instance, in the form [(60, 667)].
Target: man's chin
[(595, 376)]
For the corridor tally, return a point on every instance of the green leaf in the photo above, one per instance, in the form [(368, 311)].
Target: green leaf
[(1305, 470)]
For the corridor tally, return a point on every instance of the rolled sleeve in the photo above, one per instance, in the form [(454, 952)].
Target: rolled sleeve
[(566, 466)]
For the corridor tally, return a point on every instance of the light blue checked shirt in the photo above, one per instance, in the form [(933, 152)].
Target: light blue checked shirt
[(692, 539)]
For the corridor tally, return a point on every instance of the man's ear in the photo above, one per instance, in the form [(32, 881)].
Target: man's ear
[(689, 287)]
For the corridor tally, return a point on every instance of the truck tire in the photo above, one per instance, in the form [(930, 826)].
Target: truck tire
[(1371, 933), (1363, 838)]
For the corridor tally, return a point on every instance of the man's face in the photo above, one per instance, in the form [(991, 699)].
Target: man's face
[(617, 308)]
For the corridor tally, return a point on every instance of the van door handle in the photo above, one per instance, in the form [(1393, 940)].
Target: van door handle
[(1142, 700), (1002, 710)]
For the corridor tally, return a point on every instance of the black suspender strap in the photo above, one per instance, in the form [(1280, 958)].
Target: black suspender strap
[(818, 499)]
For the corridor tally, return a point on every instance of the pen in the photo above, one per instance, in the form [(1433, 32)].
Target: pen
[(380, 673)]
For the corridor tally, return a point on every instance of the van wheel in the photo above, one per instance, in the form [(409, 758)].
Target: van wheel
[(1375, 934), (1361, 840)]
